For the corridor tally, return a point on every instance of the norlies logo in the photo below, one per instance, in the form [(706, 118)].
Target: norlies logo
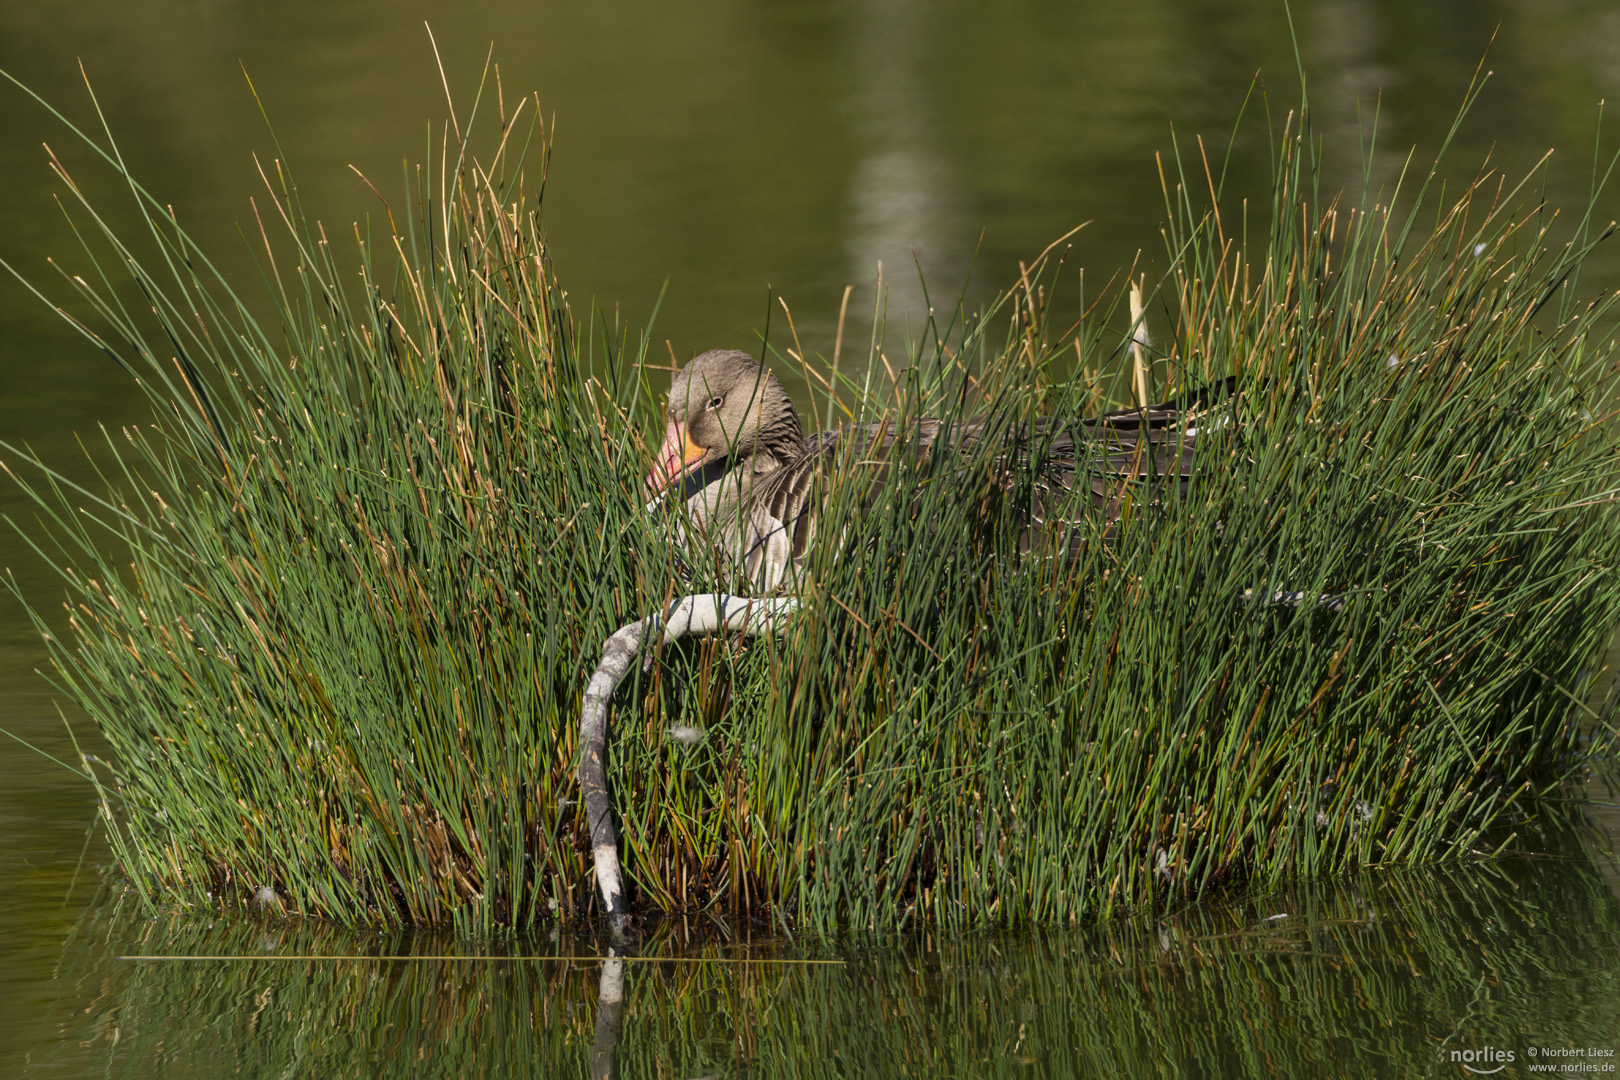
[(1485, 1061)]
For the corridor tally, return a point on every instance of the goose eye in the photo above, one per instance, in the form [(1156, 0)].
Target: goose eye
[(717, 402)]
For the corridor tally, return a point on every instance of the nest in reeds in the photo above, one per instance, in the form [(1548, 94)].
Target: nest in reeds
[(364, 571)]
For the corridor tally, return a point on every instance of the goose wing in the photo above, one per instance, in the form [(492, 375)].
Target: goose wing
[(778, 518)]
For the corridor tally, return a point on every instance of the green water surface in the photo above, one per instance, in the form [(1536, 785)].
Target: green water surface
[(717, 153)]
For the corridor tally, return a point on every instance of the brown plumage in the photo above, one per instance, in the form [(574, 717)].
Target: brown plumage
[(751, 480)]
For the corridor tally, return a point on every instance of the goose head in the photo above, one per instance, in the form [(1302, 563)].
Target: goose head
[(726, 410)]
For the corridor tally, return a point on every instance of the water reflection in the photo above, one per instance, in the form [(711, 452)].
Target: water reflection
[(609, 1017), (1350, 97), (902, 207), (1369, 977)]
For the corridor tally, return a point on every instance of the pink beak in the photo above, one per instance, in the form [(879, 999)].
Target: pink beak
[(677, 458)]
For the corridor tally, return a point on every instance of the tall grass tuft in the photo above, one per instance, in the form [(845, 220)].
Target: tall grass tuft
[(367, 555)]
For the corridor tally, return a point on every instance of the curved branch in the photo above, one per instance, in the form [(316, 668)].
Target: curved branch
[(702, 613)]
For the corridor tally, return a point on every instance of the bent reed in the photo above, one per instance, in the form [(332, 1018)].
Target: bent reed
[(366, 559)]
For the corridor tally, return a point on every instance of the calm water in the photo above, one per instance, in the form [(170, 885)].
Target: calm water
[(1383, 976), (719, 153)]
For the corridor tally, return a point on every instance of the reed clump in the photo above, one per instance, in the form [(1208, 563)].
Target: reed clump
[(368, 555)]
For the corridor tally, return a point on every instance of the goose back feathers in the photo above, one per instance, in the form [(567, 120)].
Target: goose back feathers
[(735, 453)]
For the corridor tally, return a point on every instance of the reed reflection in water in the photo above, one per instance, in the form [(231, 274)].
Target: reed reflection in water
[(1378, 976)]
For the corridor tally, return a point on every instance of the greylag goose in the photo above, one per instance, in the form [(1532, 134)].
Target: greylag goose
[(736, 455)]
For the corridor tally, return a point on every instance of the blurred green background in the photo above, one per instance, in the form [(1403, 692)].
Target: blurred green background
[(717, 152)]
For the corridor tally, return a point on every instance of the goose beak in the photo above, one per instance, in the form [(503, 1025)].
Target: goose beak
[(678, 457)]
